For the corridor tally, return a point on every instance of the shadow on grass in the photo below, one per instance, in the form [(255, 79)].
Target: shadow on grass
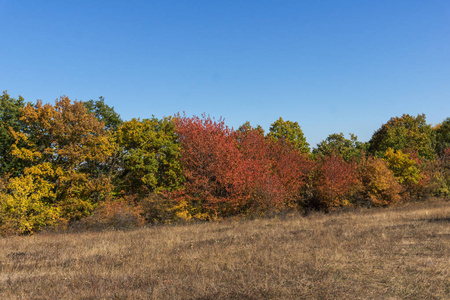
[(438, 220)]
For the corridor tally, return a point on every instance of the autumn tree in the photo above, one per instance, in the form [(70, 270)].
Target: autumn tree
[(26, 205), (379, 185), (211, 164), (65, 146), (404, 168), (332, 181), (289, 132), (239, 172), (151, 156), (402, 133), (411, 171), (262, 189), (293, 169)]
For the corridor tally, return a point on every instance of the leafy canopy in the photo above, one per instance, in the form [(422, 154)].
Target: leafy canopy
[(10, 112), (404, 168), (151, 154), (289, 132), (104, 113), (442, 136), (404, 133), (64, 145), (337, 144)]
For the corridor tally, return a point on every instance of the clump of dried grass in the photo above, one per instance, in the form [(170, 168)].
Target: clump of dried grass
[(401, 252)]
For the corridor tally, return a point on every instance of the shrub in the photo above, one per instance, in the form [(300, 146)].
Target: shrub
[(439, 171), (25, 207), (160, 208), (260, 188), (410, 170), (379, 185), (332, 182), (403, 167), (110, 214)]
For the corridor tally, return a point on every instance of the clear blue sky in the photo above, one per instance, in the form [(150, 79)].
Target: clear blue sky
[(332, 66)]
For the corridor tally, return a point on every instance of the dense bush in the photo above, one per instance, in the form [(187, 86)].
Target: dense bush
[(25, 206), (333, 181), (379, 186)]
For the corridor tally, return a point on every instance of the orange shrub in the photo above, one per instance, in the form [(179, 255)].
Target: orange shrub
[(379, 186)]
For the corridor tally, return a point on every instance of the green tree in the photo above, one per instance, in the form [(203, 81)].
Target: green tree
[(348, 149), (442, 167), (442, 131), (404, 133), (290, 132), (248, 127), (104, 113), (10, 111), (151, 156)]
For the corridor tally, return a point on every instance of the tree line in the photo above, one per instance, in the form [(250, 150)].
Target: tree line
[(75, 163)]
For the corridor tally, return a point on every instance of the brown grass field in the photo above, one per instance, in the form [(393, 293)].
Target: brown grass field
[(396, 253)]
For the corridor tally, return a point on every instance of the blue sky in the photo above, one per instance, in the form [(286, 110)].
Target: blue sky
[(332, 66)]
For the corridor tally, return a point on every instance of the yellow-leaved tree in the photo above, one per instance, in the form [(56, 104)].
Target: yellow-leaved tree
[(67, 149), (407, 171)]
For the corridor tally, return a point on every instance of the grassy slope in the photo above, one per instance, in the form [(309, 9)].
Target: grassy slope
[(396, 253)]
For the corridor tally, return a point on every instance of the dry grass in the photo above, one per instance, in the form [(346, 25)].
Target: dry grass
[(396, 253)]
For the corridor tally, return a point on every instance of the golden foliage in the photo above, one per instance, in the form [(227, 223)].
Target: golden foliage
[(65, 146), (403, 167), (378, 182), (24, 205)]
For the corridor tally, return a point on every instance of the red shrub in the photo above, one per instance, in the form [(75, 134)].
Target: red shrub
[(211, 163), (261, 189), (275, 172), (333, 180)]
